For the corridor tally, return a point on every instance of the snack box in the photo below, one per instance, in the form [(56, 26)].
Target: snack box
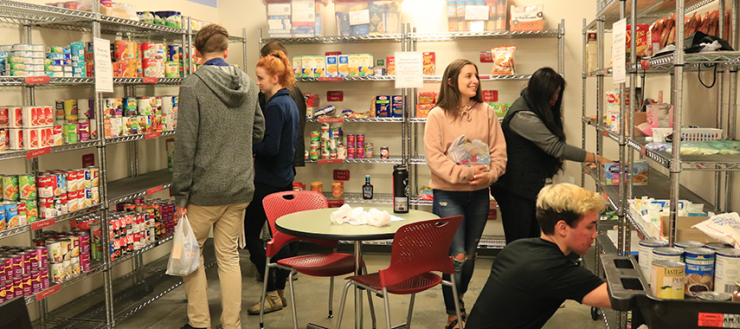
[(366, 65), (307, 64), (430, 63), (397, 106), (298, 66), (319, 67), (391, 64), (610, 173), (354, 65)]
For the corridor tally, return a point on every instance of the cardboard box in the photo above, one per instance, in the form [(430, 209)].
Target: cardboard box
[(332, 66), (343, 65), (640, 173), (684, 232)]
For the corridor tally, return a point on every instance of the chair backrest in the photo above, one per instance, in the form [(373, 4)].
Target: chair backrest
[(421, 247), (284, 203)]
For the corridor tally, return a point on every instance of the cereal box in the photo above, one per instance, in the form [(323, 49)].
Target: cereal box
[(430, 63)]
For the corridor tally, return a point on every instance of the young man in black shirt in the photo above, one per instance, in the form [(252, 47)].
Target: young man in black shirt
[(531, 278)]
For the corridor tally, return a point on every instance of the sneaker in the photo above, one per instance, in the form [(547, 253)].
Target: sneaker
[(188, 326), (281, 293), (272, 304)]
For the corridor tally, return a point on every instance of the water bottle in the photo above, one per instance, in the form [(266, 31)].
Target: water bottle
[(400, 189)]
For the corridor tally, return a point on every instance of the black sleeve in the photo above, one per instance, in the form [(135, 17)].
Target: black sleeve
[(300, 147), (571, 282)]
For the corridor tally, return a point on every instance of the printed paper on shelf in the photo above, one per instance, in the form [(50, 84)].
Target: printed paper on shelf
[(39, 152), (619, 56), (477, 26), (103, 66), (476, 13), (43, 223), (48, 292), (37, 80), (409, 70), (359, 17)]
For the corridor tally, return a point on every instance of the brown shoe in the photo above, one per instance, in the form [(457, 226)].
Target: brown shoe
[(281, 293), (272, 304)]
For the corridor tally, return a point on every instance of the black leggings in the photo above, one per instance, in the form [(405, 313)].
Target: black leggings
[(254, 220), (518, 215)]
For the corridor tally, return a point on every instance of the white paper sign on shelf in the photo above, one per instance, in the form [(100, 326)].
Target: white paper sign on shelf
[(103, 66), (619, 56), (477, 26), (476, 13), (409, 70), (359, 17)]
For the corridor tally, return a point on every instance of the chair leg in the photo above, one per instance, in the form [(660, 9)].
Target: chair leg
[(292, 299), (457, 301), (331, 296), (411, 310), (341, 305), (370, 301), (387, 308), (264, 293)]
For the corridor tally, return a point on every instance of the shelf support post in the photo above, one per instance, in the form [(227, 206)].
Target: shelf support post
[(675, 167), (583, 95)]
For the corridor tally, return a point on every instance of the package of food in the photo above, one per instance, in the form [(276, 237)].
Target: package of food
[(427, 97), (612, 109), (422, 110), (503, 60), (391, 65), (723, 227), (527, 18), (641, 42), (469, 153), (430, 63)]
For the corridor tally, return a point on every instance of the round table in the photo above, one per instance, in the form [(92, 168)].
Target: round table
[(316, 224)]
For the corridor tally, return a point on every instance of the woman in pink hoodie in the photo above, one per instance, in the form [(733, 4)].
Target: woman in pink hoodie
[(460, 189)]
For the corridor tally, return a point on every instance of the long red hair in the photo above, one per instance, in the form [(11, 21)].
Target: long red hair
[(276, 63)]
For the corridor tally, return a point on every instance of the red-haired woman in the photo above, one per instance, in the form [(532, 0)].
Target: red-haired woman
[(273, 166)]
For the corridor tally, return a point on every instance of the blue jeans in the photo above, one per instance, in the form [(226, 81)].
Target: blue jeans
[(474, 206)]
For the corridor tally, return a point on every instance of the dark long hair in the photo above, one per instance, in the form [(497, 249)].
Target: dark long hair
[(449, 92), (541, 88)]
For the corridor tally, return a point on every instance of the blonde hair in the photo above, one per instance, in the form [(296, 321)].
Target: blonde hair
[(565, 202), (277, 64)]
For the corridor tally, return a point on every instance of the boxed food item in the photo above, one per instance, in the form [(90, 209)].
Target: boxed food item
[(332, 66), (527, 18), (427, 97), (319, 67), (422, 110), (397, 106), (642, 46), (343, 65), (479, 15), (382, 106), (367, 17), (430, 63), (295, 18), (354, 65), (391, 63), (640, 173), (366, 65), (298, 66), (308, 66)]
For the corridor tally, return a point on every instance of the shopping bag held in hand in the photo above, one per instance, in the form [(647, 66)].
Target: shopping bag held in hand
[(185, 255)]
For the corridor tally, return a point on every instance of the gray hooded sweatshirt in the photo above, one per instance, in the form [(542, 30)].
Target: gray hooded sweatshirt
[(218, 121)]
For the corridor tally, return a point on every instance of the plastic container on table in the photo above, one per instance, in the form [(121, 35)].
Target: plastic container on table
[(295, 18), (364, 17)]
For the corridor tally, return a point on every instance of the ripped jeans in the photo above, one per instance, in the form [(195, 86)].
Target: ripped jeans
[(474, 205)]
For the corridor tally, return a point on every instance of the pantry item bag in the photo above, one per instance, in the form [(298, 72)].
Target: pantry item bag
[(185, 255), (469, 153)]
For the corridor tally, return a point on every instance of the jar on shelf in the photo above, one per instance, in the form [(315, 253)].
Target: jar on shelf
[(337, 190)]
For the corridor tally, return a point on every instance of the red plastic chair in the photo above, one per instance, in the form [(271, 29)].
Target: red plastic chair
[(418, 250), (322, 265)]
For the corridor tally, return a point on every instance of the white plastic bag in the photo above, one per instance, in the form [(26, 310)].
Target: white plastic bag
[(723, 227), (469, 153), (185, 255)]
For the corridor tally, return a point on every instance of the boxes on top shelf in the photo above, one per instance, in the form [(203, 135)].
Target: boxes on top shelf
[(295, 18), (476, 15), (363, 17)]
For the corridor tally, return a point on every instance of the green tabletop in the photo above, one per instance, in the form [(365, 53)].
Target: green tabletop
[(316, 224)]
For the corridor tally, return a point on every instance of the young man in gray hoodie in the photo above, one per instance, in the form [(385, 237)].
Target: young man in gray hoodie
[(213, 176)]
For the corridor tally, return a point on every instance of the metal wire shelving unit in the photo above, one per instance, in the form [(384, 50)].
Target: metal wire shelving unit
[(110, 308), (660, 186)]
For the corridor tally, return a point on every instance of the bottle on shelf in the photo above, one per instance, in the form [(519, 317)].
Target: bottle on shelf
[(400, 189), (736, 295), (367, 189)]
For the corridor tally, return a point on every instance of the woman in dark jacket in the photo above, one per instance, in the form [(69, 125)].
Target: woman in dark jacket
[(536, 149)]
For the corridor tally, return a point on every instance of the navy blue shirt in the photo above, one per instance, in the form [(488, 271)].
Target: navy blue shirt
[(216, 62), (273, 162)]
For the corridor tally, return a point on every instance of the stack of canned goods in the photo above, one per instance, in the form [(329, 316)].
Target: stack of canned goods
[(69, 253), (136, 225), (327, 143), (74, 121), (26, 127), (19, 201), (141, 115), (690, 268), (71, 61), (149, 59), (23, 271), (91, 227), (63, 191), (20, 60)]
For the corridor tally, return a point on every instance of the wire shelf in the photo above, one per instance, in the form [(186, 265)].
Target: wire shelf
[(493, 77), (648, 11), (347, 79), (324, 40), (356, 198), (95, 268), (54, 149), (137, 137), (84, 213), (449, 36), (140, 81), (151, 246), (38, 13), (366, 120), (132, 187), (394, 159)]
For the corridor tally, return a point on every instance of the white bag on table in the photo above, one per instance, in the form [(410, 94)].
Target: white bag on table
[(185, 255)]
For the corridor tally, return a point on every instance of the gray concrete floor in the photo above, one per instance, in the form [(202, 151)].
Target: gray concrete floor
[(170, 311)]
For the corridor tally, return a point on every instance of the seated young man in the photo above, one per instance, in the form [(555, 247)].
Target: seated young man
[(531, 278)]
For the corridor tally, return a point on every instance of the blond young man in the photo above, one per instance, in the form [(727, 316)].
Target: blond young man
[(213, 172), (531, 278)]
